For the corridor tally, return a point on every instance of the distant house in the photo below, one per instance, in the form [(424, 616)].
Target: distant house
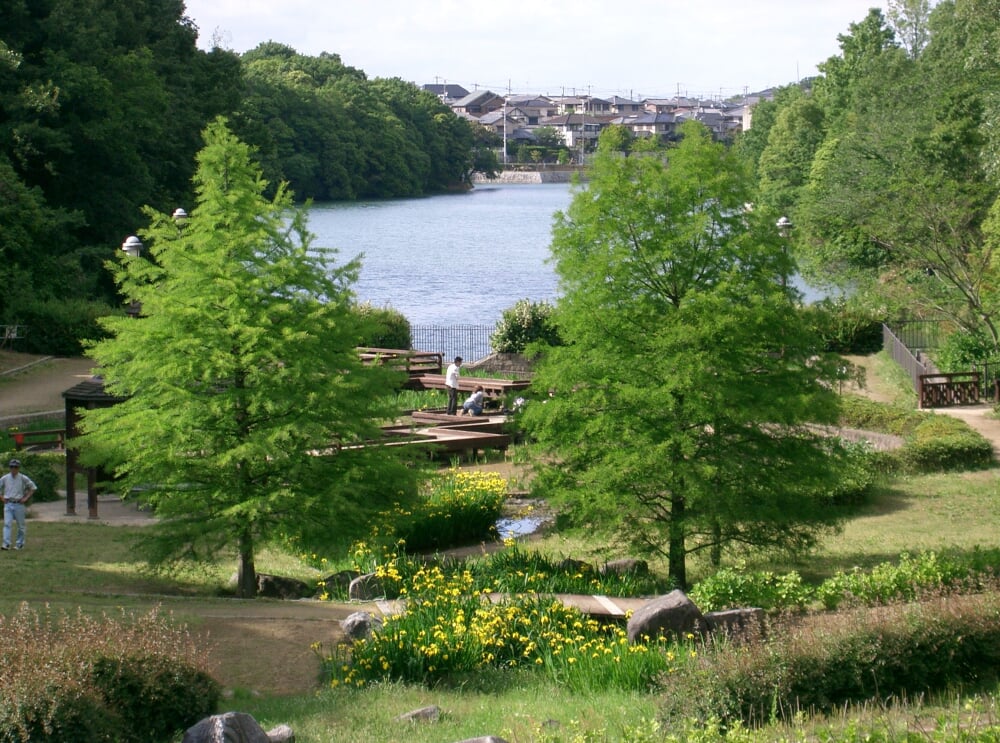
[(577, 129), (478, 103), (619, 105), (447, 93), (661, 125), (496, 121)]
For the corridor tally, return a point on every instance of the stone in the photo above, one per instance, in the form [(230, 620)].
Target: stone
[(365, 588), (281, 734), (424, 714), (570, 565), (339, 582), (673, 614), (625, 566), (736, 622), (230, 727), (360, 624), (278, 587)]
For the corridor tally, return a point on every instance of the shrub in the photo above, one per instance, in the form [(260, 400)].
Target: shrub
[(46, 470), (57, 326), (730, 588), (941, 443), (80, 678), (525, 323), (155, 696), (961, 350), (842, 658), (388, 327), (845, 326), (870, 415)]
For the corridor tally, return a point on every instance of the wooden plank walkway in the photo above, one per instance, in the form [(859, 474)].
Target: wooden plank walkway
[(491, 387)]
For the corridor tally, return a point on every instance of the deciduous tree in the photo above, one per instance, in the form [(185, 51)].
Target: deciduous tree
[(681, 393), (248, 416)]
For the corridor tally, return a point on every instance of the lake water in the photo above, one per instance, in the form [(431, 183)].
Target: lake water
[(456, 259)]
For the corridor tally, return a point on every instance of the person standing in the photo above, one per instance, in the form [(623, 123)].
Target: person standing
[(16, 489), (451, 382)]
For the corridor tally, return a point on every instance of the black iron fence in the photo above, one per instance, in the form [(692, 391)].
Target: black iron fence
[(471, 342)]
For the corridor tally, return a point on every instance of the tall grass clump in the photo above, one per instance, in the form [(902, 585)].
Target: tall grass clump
[(80, 678), (449, 629), (831, 660)]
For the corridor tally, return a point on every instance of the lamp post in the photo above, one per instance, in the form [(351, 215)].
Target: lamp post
[(784, 225), (132, 246), (180, 216)]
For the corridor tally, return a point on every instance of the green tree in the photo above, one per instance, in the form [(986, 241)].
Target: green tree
[(687, 375), (248, 417)]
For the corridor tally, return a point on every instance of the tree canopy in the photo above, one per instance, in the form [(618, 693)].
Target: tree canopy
[(680, 393), (248, 416)]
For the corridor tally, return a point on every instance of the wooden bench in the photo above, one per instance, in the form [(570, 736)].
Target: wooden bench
[(53, 438)]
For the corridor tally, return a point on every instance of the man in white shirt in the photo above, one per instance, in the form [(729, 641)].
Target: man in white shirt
[(451, 382), (16, 489)]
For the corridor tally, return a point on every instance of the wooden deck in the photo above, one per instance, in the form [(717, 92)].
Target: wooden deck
[(491, 387)]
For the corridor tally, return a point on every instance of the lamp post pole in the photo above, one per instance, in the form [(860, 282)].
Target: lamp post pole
[(784, 225)]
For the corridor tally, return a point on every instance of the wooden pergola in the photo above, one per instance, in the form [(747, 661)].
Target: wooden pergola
[(86, 395)]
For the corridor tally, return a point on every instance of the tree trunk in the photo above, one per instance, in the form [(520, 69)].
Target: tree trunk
[(246, 577), (676, 556)]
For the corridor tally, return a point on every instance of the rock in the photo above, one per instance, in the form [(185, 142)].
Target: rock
[(569, 565), (230, 727), (339, 582), (424, 714), (365, 588), (673, 614), (735, 622), (281, 734), (625, 566), (360, 624), (277, 587)]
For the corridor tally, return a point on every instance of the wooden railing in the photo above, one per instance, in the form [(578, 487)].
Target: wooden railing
[(945, 390), (53, 438), (412, 362)]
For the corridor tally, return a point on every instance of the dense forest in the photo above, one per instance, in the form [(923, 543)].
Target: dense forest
[(102, 108), (888, 167)]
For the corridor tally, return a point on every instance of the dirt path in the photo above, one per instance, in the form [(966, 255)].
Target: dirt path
[(34, 384)]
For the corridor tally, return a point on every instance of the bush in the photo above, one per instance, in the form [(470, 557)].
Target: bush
[(941, 443), (524, 323), (79, 678), (45, 469), (388, 327), (156, 697), (845, 327), (57, 327), (833, 660), (869, 415), (730, 588), (962, 349)]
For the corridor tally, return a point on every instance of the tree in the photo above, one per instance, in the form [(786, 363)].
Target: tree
[(248, 416), (680, 394)]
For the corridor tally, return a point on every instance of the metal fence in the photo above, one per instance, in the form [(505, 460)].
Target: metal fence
[(901, 353), (471, 342)]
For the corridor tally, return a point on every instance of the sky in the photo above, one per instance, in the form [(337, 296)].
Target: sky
[(633, 48)]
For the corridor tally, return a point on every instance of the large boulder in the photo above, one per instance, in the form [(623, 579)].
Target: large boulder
[(366, 588), (235, 727), (278, 587), (674, 614)]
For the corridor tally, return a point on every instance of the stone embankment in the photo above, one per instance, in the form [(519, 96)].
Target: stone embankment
[(527, 176)]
